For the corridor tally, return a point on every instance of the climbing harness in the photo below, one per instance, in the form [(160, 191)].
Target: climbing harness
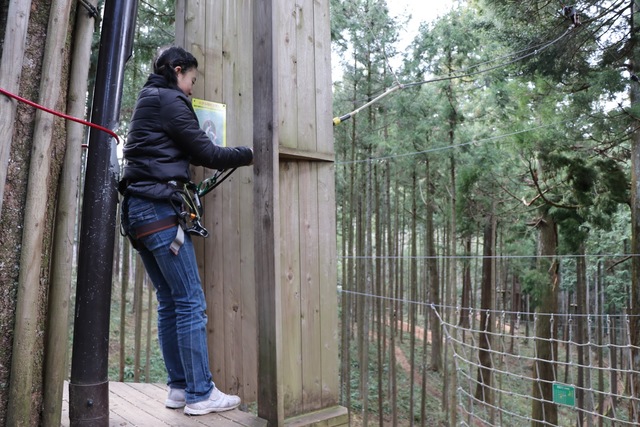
[(190, 210), (213, 181), (186, 201), (190, 216)]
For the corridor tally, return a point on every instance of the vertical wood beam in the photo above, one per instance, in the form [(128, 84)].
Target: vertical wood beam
[(63, 255), (243, 102), (10, 71), (26, 327), (266, 217)]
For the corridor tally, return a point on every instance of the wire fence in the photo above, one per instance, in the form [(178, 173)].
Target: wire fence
[(498, 365)]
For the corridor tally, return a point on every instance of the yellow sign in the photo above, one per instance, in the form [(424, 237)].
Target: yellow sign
[(213, 119)]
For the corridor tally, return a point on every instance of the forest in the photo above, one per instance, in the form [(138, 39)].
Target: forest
[(487, 195), (488, 213)]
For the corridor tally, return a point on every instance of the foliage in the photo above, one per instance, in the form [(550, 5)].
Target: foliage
[(154, 30), (533, 282)]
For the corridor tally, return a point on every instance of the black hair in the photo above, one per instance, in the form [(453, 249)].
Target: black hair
[(170, 58)]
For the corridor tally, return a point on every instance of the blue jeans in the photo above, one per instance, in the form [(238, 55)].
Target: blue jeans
[(182, 317)]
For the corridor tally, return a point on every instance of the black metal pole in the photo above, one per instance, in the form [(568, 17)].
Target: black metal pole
[(89, 385)]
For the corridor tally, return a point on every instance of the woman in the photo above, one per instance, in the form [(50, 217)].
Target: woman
[(164, 139)]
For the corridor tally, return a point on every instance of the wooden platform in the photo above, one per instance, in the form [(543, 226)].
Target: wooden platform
[(141, 404)]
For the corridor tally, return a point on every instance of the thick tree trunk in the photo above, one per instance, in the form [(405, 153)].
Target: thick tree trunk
[(543, 411)]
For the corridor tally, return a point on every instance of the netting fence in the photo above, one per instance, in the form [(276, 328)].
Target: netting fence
[(512, 368), (592, 378)]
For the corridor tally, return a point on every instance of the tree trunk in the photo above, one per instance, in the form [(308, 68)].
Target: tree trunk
[(614, 362), (581, 304), (599, 338), (124, 286), (13, 53), (393, 252), (380, 325), (413, 292), (543, 411), (434, 279), (465, 303), (452, 298), (634, 98), (483, 390), (138, 292)]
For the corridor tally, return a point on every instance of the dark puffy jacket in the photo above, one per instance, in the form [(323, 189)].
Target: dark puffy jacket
[(165, 138)]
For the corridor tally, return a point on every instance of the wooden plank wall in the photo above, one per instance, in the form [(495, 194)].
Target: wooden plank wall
[(307, 205), (215, 31), (219, 33)]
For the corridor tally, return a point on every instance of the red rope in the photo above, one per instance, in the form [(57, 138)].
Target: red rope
[(59, 114)]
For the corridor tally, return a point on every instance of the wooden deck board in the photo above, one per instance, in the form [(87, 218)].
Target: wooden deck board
[(142, 404)]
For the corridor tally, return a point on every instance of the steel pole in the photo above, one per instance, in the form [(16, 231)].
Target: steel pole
[(89, 385)]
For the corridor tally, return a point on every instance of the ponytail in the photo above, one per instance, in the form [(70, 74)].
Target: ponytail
[(170, 58)]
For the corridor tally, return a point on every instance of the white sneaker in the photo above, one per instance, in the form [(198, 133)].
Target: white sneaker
[(217, 402), (175, 399)]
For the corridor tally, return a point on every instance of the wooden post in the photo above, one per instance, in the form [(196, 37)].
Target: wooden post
[(266, 213), (56, 365), (10, 70), (26, 323)]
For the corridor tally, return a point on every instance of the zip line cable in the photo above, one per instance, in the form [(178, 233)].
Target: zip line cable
[(540, 46), (458, 308), (397, 80), (448, 147), (495, 67), (338, 120), (500, 58), (398, 86), (59, 114)]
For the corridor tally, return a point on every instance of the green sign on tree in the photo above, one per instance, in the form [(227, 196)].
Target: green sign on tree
[(564, 394)]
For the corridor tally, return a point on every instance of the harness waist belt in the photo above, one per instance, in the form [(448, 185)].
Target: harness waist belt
[(155, 226)]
